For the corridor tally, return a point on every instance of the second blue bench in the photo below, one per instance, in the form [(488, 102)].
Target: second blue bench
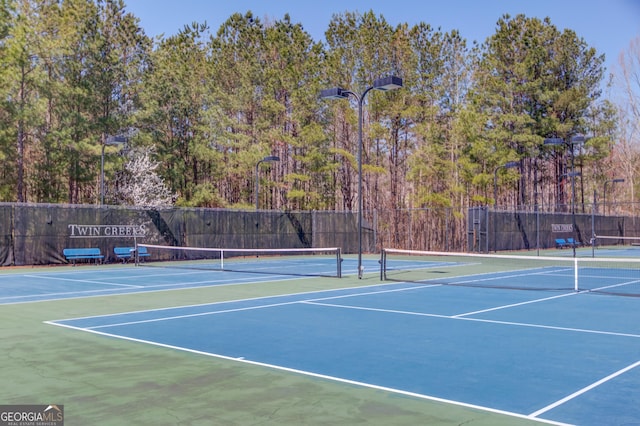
[(126, 253)]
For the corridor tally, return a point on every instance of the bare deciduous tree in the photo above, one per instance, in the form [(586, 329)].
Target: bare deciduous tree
[(627, 151)]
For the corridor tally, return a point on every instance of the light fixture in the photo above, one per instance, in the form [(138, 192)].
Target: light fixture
[(384, 84)]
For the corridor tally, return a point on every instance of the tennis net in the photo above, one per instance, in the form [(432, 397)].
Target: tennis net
[(326, 262), (616, 241), (605, 275)]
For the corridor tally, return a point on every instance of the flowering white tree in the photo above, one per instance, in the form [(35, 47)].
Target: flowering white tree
[(627, 158), (139, 184)]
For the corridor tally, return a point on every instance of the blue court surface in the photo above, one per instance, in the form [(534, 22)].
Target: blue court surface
[(83, 281), (558, 357)]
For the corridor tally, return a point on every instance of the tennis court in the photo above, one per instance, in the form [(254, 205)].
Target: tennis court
[(438, 344)]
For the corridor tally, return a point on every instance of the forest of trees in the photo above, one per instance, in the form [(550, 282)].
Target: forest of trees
[(201, 108)]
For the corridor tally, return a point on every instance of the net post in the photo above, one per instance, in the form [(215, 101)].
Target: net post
[(222, 259), (339, 262), (575, 274), (136, 258), (383, 262)]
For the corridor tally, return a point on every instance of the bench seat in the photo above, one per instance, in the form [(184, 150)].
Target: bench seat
[(571, 242), (126, 253), (74, 254)]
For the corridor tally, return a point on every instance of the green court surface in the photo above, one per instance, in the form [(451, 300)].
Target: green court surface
[(108, 381)]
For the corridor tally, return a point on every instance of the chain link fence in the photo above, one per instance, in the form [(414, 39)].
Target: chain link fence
[(36, 234)]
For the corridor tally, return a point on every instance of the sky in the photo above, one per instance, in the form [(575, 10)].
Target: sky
[(607, 25)]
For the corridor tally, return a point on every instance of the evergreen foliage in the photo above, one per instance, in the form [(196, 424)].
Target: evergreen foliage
[(205, 107)]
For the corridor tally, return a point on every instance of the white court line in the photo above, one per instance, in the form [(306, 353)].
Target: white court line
[(199, 314), (318, 302), (369, 293), (225, 280), (94, 293), (143, 289), (585, 389), (615, 285), (518, 324), (492, 276), (188, 285), (321, 376), (83, 281), (388, 311), (458, 315), (249, 299), (41, 297), (215, 312), (497, 308)]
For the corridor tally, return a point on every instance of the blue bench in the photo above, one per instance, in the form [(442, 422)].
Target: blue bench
[(126, 253), (561, 243), (571, 242), (74, 254)]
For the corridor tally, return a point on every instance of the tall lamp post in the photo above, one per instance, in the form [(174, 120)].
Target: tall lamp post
[(604, 192), (575, 140), (509, 165), (573, 175), (107, 140), (269, 159), (384, 84)]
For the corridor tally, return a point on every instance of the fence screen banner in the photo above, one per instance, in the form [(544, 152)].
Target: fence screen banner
[(490, 230), (37, 234), (6, 233)]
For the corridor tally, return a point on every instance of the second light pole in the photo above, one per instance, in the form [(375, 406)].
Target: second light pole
[(575, 140), (384, 84), (107, 140), (269, 159), (509, 165), (604, 193)]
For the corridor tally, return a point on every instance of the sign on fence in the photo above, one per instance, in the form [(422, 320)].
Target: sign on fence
[(561, 227)]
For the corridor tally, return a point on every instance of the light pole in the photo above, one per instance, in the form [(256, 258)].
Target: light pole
[(509, 165), (575, 140), (604, 192), (555, 142), (269, 159), (107, 140), (384, 84), (573, 175)]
